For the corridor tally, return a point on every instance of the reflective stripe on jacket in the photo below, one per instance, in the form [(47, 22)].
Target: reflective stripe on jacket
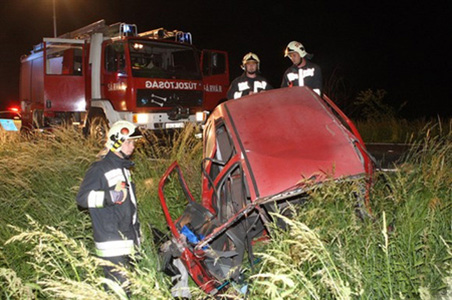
[(114, 248), (244, 85), (308, 75)]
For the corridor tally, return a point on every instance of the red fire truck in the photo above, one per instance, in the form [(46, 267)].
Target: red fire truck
[(102, 73)]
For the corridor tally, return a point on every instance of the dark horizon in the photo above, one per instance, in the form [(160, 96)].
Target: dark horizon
[(395, 46)]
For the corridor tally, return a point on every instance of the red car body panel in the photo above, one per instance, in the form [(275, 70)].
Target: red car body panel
[(289, 135)]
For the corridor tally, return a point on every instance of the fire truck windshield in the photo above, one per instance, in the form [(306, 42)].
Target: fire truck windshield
[(163, 60)]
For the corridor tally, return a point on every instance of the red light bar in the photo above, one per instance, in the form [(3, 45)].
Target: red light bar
[(14, 109)]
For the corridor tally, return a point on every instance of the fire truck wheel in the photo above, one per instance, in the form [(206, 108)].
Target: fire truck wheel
[(37, 121), (97, 127)]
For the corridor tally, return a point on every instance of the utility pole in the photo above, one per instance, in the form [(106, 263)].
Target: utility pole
[(54, 20)]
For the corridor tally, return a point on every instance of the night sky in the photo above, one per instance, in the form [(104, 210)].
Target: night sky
[(400, 46)]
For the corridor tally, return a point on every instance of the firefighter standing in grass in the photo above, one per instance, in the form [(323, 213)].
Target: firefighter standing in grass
[(108, 192), (303, 72), (250, 81)]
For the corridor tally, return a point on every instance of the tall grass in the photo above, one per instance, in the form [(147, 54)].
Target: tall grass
[(41, 175), (152, 159), (378, 120), (389, 129), (402, 252)]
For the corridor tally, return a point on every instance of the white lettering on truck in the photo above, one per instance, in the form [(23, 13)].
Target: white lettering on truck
[(213, 88), (170, 85), (116, 86)]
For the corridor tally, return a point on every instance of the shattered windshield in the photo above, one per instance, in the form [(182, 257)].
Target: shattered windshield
[(161, 60)]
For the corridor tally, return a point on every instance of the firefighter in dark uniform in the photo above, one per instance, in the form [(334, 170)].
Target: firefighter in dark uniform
[(108, 192), (303, 72), (250, 81)]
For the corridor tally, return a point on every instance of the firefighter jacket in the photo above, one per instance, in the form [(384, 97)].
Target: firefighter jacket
[(308, 75), (243, 85), (115, 226)]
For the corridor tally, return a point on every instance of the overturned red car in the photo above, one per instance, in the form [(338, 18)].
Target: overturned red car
[(261, 152)]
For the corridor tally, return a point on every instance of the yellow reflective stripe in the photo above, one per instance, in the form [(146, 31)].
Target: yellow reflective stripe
[(96, 199), (114, 248)]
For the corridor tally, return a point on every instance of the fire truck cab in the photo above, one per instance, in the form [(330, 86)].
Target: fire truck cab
[(102, 73)]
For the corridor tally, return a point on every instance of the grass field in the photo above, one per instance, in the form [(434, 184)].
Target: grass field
[(403, 251)]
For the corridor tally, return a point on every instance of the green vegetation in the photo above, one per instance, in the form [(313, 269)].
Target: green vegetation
[(378, 119), (379, 122), (395, 130), (404, 251)]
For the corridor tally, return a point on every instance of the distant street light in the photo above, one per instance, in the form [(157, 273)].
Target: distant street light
[(54, 20)]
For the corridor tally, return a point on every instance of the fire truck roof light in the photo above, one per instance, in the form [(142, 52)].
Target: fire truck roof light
[(184, 37), (14, 109), (128, 29)]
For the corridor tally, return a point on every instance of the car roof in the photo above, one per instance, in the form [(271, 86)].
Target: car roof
[(288, 135)]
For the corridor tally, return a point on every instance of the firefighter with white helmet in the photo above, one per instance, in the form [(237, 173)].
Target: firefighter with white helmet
[(108, 192), (248, 58), (250, 81), (119, 133), (303, 72)]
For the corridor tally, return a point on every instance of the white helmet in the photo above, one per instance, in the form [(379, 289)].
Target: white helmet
[(298, 47), (250, 57), (119, 133)]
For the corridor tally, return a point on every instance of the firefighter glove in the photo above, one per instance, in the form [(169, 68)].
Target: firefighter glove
[(119, 194)]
